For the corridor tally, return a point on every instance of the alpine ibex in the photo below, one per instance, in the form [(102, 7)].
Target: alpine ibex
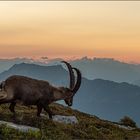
[(30, 91)]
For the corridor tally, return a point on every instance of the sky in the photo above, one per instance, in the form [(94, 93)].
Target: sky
[(70, 29)]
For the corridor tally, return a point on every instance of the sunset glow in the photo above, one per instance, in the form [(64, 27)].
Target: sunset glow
[(70, 29)]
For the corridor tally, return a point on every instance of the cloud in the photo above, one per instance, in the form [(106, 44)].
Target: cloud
[(45, 58)]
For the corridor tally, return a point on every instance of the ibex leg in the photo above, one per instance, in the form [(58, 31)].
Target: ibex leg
[(12, 107), (47, 109), (39, 110)]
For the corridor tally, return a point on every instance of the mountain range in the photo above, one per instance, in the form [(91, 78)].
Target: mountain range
[(5, 64), (96, 68), (106, 99), (108, 69), (54, 74)]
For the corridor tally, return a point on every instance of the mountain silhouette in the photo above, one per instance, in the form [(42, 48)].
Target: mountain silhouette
[(109, 69), (54, 74), (96, 68)]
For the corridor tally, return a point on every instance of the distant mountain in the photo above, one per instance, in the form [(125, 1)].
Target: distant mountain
[(5, 64), (54, 74), (107, 99), (97, 68), (108, 69), (137, 82)]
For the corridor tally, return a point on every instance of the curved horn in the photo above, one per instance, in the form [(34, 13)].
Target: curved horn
[(72, 78), (78, 82)]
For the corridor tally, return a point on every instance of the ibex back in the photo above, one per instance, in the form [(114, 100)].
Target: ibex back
[(30, 91)]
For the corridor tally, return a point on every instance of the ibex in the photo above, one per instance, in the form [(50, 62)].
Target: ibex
[(41, 93)]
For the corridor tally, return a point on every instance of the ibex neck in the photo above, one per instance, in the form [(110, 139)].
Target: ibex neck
[(58, 94)]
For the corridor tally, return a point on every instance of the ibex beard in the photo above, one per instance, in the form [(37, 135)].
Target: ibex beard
[(41, 93)]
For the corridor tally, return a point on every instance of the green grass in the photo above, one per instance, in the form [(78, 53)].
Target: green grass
[(89, 127)]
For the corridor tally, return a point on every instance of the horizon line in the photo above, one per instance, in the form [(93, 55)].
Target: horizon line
[(46, 58)]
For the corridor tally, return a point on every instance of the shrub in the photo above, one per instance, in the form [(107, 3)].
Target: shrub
[(127, 121)]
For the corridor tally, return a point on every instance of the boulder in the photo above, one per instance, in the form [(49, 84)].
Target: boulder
[(22, 128)]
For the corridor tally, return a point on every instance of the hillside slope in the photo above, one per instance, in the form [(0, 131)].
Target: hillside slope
[(89, 127)]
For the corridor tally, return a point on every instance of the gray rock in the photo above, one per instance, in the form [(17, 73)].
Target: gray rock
[(63, 119), (22, 128), (125, 127)]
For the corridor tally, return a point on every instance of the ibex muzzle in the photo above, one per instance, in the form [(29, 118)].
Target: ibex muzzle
[(30, 91)]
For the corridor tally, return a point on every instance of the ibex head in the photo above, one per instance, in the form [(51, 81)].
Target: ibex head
[(74, 86)]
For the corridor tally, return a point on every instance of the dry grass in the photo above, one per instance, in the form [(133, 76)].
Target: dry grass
[(89, 127)]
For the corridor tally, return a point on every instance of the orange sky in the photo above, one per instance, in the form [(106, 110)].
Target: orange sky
[(70, 29)]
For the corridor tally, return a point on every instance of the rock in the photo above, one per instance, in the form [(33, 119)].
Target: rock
[(125, 127), (63, 119), (22, 128)]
